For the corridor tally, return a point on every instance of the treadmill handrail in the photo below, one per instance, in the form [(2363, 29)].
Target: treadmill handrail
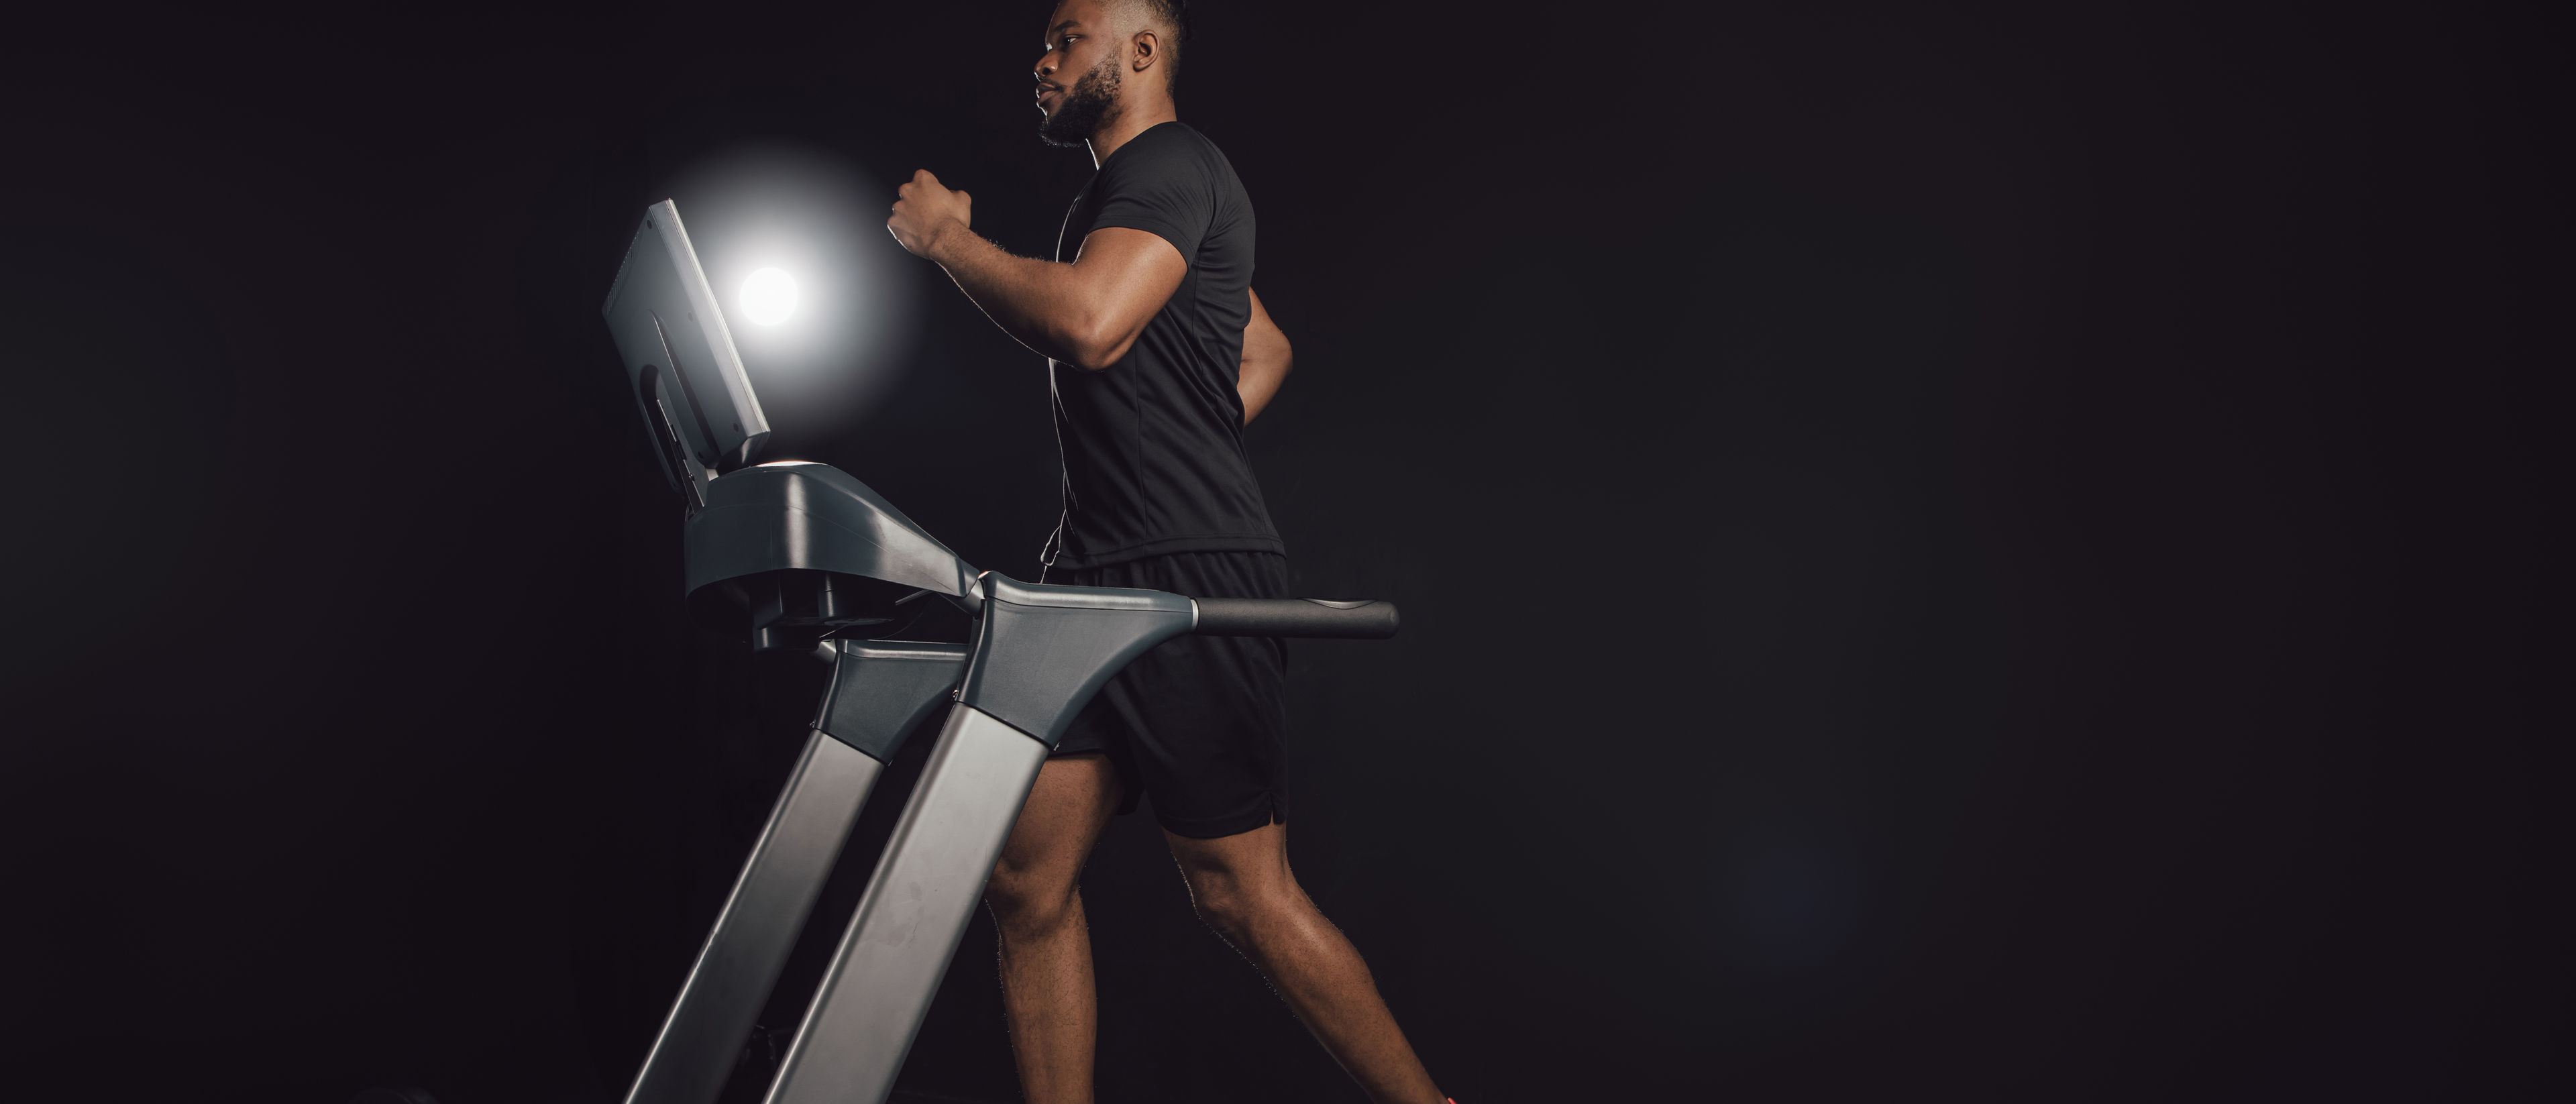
[(1310, 618)]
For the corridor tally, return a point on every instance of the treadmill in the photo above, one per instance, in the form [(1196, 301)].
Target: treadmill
[(815, 560)]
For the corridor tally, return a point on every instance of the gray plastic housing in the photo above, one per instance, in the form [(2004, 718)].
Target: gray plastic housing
[(881, 692), (681, 366), (1041, 652), (796, 514)]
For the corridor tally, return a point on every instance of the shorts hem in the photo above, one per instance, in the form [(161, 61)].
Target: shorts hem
[(1222, 827)]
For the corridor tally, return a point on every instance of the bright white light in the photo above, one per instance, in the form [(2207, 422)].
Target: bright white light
[(769, 296)]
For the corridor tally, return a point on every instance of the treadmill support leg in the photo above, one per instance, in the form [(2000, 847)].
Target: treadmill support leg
[(880, 692), (1041, 652), (908, 925), (730, 981)]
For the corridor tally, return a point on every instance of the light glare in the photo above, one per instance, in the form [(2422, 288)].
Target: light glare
[(769, 296)]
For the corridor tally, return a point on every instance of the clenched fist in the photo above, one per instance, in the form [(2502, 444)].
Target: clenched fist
[(924, 209)]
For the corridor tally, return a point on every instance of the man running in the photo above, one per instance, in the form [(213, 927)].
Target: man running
[(1159, 353)]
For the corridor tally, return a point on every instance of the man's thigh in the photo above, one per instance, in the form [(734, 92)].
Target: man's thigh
[(1066, 810), (1198, 722)]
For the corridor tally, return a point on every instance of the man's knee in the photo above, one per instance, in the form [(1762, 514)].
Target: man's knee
[(1026, 899), (1229, 904)]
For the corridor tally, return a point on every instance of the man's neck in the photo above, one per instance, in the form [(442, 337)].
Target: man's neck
[(1127, 124)]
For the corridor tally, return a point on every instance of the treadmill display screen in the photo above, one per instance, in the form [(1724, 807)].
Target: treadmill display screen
[(695, 402)]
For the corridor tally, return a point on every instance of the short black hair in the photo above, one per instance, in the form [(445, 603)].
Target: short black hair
[(1176, 15)]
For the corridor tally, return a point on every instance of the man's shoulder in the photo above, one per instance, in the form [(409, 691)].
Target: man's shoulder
[(1170, 147), (1172, 181), (1178, 137)]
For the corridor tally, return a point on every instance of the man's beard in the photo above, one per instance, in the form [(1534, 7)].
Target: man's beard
[(1091, 101)]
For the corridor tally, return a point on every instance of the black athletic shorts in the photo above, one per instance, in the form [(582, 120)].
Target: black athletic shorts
[(1200, 722)]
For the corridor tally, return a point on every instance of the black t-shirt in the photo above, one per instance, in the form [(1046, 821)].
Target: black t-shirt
[(1153, 445)]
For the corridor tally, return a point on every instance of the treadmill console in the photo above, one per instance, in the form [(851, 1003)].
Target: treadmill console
[(681, 366)]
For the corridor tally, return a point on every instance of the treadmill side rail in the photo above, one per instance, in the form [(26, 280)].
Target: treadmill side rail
[(726, 987), (907, 926)]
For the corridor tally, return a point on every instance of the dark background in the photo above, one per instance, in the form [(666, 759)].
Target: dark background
[(1956, 551)]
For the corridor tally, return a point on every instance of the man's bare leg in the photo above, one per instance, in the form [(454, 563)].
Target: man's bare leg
[(1242, 887), (1036, 898)]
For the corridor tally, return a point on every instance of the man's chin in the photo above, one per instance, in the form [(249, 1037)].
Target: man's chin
[(1073, 122), (1076, 119), (1053, 135)]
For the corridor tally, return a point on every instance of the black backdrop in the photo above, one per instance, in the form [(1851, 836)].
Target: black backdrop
[(1957, 551)]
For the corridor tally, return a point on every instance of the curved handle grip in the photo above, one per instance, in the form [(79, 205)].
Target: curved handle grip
[(1301, 617)]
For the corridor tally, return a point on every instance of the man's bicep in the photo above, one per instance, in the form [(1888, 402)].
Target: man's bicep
[(1131, 273)]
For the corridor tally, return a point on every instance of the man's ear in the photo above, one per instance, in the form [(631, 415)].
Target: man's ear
[(1149, 49)]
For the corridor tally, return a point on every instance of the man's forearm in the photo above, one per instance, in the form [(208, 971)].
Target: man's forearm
[(1086, 313), (1257, 382), (1028, 298)]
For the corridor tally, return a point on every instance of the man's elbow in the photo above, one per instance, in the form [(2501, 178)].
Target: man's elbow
[(1273, 359), (1091, 357), (1095, 351)]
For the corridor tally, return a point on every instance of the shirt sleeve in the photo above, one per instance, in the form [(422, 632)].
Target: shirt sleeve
[(1159, 189)]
